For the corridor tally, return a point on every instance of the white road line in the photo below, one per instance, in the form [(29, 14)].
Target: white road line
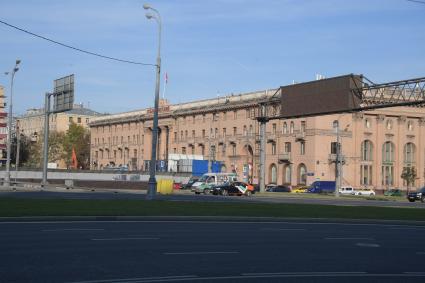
[(349, 238), (415, 272), (123, 239), (407, 228), (282, 229), (369, 245), (72, 229), (199, 253), (304, 273), (137, 279)]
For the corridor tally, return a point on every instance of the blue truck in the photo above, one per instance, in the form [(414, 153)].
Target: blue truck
[(322, 187)]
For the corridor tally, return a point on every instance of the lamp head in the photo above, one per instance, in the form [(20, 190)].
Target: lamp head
[(146, 6), (149, 16), (16, 69), (18, 62)]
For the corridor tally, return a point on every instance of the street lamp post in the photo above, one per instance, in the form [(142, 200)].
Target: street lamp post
[(152, 181), (9, 123)]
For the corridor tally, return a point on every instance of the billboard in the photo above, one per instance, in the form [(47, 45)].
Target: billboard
[(63, 94), (321, 97)]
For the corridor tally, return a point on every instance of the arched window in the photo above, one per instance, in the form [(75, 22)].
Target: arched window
[(273, 174), (291, 128), (287, 174), (388, 164), (285, 128), (302, 174), (409, 154), (366, 165)]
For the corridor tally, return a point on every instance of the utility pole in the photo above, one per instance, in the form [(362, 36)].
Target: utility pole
[(46, 138), (338, 164), (18, 148), (263, 120)]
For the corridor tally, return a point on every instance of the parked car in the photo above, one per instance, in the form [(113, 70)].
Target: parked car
[(299, 189), (233, 188), (393, 193), (189, 184), (347, 190), (418, 195), (364, 192), (177, 186), (279, 188)]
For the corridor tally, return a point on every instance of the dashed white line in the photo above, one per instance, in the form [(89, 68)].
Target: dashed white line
[(123, 239), (137, 279), (72, 229), (349, 238), (200, 253), (369, 245)]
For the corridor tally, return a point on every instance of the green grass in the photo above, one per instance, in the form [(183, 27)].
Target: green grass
[(10, 207)]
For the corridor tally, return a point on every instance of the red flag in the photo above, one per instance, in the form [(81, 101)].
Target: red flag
[(74, 162)]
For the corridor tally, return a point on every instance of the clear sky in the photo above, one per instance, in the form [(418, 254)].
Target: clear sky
[(209, 47)]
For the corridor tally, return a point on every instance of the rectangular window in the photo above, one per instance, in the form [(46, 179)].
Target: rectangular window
[(203, 133), (183, 150), (287, 147), (224, 132), (273, 148), (175, 136), (79, 120), (274, 129), (235, 130), (302, 148), (302, 129), (193, 133)]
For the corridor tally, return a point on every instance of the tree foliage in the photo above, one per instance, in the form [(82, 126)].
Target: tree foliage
[(409, 175), (77, 138)]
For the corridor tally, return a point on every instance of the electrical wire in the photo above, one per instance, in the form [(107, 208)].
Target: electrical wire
[(417, 1), (75, 48)]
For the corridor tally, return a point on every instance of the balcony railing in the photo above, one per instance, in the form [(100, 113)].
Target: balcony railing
[(284, 157)]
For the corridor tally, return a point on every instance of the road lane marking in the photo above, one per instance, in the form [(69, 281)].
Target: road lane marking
[(199, 253), (143, 279), (282, 229), (123, 239), (72, 229), (349, 238), (369, 245), (408, 228), (306, 273)]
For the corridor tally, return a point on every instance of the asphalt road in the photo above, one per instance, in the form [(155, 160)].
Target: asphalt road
[(196, 251), (187, 196)]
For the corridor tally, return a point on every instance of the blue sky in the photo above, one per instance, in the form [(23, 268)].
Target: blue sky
[(209, 47)]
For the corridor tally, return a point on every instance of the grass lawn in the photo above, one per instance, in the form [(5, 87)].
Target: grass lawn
[(10, 207)]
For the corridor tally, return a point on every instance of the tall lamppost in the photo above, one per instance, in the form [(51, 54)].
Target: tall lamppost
[(9, 123), (152, 181)]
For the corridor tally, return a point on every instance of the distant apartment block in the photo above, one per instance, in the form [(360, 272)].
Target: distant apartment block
[(31, 124)]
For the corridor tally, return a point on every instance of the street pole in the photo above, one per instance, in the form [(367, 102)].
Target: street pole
[(9, 124), (338, 164), (263, 120), (18, 148), (152, 168), (46, 139)]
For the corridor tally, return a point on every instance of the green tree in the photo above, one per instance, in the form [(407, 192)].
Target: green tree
[(77, 138), (35, 158), (409, 175), (24, 150)]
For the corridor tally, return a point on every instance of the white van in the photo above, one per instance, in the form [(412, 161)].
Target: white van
[(347, 190), (208, 180)]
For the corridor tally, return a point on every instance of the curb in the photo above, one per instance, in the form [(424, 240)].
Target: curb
[(206, 219)]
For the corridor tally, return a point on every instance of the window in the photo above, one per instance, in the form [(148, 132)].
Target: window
[(235, 115), (192, 149), (409, 154), (203, 118), (302, 174), (224, 116), (183, 150), (135, 153), (302, 129), (388, 164), (302, 147), (287, 174), (88, 120), (181, 135), (251, 130), (389, 124), (193, 133), (194, 119), (202, 150), (285, 128), (185, 134), (287, 147), (235, 130), (175, 136), (291, 128), (233, 149), (273, 148), (247, 113), (71, 120), (203, 133), (79, 120), (334, 148), (274, 129), (215, 117), (245, 132), (215, 132), (224, 132), (273, 174), (367, 151), (366, 175)]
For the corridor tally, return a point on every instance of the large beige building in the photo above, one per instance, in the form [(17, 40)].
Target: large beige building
[(376, 145), (31, 124)]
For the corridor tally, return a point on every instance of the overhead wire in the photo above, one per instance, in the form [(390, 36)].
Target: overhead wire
[(75, 48)]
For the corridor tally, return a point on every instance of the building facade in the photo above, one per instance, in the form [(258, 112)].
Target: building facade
[(376, 145), (31, 124)]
